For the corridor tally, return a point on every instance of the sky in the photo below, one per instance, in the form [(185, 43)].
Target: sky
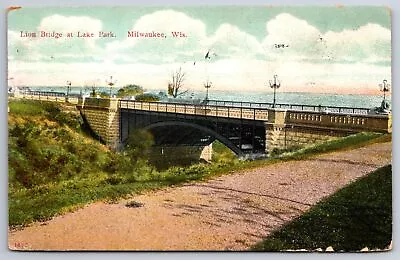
[(335, 49)]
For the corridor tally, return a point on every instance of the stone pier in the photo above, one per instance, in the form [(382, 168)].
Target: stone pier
[(103, 118)]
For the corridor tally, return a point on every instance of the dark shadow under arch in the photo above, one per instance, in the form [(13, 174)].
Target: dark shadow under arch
[(203, 129)]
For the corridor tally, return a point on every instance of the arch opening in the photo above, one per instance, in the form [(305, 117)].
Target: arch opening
[(175, 133)]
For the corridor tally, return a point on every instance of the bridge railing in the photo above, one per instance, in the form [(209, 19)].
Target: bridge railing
[(336, 120), (44, 93), (47, 95), (299, 107), (351, 121), (43, 96), (50, 96), (198, 109)]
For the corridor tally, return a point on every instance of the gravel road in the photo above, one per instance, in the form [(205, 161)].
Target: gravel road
[(231, 212)]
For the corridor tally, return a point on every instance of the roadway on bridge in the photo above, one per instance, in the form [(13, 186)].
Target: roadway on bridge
[(231, 212)]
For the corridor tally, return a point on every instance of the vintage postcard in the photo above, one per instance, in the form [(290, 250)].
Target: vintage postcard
[(225, 128)]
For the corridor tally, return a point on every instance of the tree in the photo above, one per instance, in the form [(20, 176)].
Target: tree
[(139, 144), (130, 90), (178, 77)]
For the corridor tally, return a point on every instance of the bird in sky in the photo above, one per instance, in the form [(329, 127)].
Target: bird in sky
[(207, 55)]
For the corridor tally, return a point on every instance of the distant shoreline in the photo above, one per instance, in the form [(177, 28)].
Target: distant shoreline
[(266, 91)]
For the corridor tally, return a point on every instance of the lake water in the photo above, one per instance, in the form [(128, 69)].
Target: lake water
[(347, 100)]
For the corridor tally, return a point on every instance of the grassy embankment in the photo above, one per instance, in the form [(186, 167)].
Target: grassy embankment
[(357, 216), (55, 167)]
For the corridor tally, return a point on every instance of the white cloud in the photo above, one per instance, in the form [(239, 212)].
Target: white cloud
[(21, 47), (238, 66), (71, 24), (161, 49), (370, 42), (300, 37), (170, 20), (65, 24), (229, 41), (49, 48)]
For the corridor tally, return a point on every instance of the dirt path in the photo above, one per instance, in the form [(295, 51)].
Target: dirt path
[(227, 213)]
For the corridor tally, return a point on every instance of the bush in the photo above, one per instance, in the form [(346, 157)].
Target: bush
[(277, 151), (114, 179), (138, 144), (117, 163), (130, 90), (147, 98)]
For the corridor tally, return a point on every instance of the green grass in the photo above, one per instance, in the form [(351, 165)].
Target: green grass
[(27, 108), (357, 216), (221, 153), (47, 200), (55, 168), (337, 144), (26, 206)]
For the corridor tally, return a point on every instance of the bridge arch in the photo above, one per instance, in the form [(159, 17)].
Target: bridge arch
[(203, 129)]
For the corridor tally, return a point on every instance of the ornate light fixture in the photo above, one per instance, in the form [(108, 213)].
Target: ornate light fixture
[(275, 86)]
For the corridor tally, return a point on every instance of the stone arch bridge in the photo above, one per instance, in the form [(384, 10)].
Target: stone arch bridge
[(248, 129)]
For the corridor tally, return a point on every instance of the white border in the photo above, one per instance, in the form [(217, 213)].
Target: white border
[(6, 254)]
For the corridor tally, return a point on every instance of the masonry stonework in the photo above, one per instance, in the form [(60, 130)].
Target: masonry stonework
[(103, 118), (180, 154), (283, 128), (280, 135)]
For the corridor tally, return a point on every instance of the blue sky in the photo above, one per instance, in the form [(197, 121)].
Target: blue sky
[(329, 49)]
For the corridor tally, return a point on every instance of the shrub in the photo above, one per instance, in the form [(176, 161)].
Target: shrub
[(130, 90), (147, 97), (114, 179), (138, 144)]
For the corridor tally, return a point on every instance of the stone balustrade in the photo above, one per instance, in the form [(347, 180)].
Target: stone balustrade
[(379, 123), (283, 127), (203, 110)]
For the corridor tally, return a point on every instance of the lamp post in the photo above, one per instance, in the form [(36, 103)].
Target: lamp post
[(111, 83), (384, 88), (68, 87), (274, 85), (207, 85), (11, 79)]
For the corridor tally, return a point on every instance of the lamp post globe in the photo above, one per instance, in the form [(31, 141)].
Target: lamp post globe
[(111, 83), (274, 85)]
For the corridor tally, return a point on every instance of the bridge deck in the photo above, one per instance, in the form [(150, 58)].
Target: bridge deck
[(58, 96), (201, 110), (296, 107), (356, 119), (322, 119)]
